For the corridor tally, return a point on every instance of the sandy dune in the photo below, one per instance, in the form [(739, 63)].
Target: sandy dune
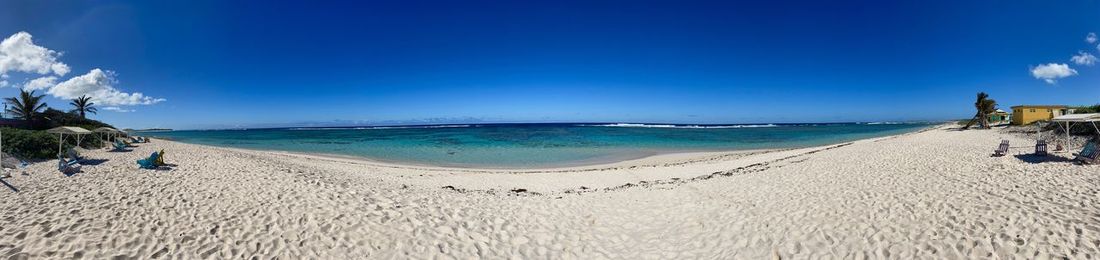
[(933, 194)]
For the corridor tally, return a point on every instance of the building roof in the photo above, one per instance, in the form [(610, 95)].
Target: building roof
[(68, 130), (1093, 117), (1039, 106)]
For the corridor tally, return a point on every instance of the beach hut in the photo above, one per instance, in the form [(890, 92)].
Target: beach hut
[(999, 117), (1067, 121), (1027, 114), (110, 132), (61, 131)]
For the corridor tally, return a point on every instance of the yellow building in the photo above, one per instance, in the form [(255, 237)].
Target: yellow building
[(1027, 114)]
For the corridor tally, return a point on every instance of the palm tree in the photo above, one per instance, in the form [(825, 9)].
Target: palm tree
[(83, 104), (985, 106), (26, 106)]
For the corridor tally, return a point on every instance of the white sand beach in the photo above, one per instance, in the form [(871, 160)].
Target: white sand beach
[(932, 194)]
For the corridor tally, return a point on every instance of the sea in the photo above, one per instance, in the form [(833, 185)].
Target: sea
[(533, 145)]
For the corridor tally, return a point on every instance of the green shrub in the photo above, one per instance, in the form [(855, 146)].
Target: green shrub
[(38, 144), (91, 141), (55, 118), (1087, 109), (29, 144)]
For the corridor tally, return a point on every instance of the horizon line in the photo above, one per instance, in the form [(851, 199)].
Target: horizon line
[(544, 123)]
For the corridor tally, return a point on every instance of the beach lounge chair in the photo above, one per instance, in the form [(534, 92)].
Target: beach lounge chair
[(149, 163), (1041, 148), (1089, 154), (160, 159), (67, 166), (119, 145), (74, 156), (1002, 149)]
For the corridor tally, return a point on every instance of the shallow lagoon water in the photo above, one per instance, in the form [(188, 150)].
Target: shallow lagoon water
[(532, 145)]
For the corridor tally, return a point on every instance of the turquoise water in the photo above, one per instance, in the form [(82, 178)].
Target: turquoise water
[(532, 145)]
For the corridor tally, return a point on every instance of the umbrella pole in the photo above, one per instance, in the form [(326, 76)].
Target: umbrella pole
[(1068, 125), (1041, 133)]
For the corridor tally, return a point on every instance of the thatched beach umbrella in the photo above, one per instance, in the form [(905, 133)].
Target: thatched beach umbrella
[(61, 131), (107, 130), (1069, 120)]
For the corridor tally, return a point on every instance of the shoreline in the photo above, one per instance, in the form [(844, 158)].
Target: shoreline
[(666, 168), (585, 167), (594, 162)]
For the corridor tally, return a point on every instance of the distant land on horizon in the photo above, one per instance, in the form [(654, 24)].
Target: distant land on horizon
[(149, 129)]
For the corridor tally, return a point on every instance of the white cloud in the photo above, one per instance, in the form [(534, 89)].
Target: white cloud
[(98, 84), (18, 53), (1091, 38), (118, 109), (1083, 58), (41, 83), (1051, 72)]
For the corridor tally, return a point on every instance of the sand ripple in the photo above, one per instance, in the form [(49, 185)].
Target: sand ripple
[(934, 194)]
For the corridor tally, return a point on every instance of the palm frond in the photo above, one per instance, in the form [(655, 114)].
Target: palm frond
[(25, 106), (83, 104)]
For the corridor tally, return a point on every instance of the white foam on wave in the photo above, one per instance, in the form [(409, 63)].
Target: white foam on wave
[(884, 123), (379, 127), (685, 126), (416, 127)]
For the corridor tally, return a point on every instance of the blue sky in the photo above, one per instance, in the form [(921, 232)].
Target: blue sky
[(213, 64)]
